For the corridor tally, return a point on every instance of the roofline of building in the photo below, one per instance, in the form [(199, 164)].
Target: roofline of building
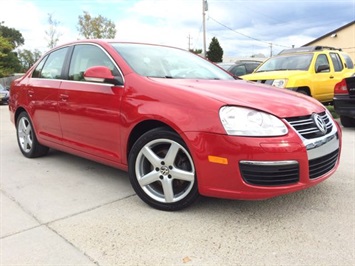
[(330, 33)]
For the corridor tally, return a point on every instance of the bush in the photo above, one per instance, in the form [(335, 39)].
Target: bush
[(331, 110)]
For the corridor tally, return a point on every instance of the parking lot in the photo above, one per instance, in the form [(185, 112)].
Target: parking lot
[(64, 210)]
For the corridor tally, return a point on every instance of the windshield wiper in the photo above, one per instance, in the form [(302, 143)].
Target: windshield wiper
[(160, 77)]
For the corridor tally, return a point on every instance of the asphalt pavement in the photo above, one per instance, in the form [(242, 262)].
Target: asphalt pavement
[(65, 210)]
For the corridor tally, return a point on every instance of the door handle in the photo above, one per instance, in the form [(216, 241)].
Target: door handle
[(331, 77), (30, 93)]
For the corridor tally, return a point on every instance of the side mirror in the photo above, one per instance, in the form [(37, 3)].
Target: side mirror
[(322, 68), (101, 74)]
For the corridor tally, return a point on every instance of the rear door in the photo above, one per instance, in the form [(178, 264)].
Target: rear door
[(323, 81), (340, 72), (90, 112), (43, 94)]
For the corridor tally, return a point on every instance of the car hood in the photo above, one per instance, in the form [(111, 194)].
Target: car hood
[(280, 102), (270, 75)]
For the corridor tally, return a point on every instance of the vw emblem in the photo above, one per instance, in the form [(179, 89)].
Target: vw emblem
[(318, 120), (164, 170)]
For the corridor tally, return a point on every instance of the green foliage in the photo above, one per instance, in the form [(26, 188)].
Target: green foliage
[(12, 35), (28, 58), (215, 51), (96, 27), (9, 62), (332, 111), (5, 46), (196, 51)]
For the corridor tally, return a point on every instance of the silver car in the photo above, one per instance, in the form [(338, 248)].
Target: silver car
[(4, 95)]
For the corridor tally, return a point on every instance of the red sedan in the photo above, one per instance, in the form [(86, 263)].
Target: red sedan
[(180, 125)]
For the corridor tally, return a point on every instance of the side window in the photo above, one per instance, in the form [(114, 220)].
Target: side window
[(338, 66), (85, 56), (322, 60), (251, 67), (53, 65), (37, 72), (349, 63), (239, 70)]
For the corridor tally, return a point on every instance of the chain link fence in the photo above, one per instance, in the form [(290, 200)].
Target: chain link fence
[(5, 82)]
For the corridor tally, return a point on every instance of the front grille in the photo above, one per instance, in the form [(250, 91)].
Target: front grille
[(322, 165), (264, 81), (306, 126), (270, 175)]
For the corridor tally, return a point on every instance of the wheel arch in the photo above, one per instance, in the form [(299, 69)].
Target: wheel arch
[(142, 128), (18, 112), (306, 89)]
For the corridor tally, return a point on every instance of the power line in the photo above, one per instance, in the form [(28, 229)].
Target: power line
[(249, 37)]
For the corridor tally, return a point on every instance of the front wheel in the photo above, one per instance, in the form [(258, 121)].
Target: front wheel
[(161, 170), (26, 138)]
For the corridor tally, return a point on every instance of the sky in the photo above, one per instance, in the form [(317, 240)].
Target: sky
[(242, 27)]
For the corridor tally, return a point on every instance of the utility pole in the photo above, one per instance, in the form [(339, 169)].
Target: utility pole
[(270, 49), (204, 9), (189, 43)]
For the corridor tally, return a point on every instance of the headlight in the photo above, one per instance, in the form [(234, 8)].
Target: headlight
[(280, 83), (240, 121)]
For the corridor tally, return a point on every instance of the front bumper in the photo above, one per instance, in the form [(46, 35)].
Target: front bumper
[(4, 100), (260, 168)]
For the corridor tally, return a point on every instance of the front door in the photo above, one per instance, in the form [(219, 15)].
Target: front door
[(90, 112)]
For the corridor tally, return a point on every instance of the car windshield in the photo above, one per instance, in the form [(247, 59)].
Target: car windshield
[(167, 62), (287, 62)]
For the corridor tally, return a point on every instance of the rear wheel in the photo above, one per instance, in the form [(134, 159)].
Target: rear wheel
[(161, 170), (26, 138), (347, 121)]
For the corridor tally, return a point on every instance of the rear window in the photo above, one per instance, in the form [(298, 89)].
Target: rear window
[(338, 66), (349, 63)]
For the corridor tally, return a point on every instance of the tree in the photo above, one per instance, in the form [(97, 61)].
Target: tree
[(14, 36), (5, 46), (215, 51), (5, 49), (28, 58), (9, 40), (52, 33), (96, 27)]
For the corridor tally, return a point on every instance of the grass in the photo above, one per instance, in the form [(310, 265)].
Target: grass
[(331, 110)]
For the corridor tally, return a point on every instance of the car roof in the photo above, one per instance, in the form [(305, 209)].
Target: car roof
[(110, 41), (308, 49), (248, 61)]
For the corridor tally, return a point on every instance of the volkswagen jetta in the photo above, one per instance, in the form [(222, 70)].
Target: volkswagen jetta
[(181, 126)]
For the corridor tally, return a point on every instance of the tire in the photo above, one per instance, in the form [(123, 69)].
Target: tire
[(26, 138), (167, 179), (347, 121)]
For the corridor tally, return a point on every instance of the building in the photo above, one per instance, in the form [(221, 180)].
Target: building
[(343, 37)]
